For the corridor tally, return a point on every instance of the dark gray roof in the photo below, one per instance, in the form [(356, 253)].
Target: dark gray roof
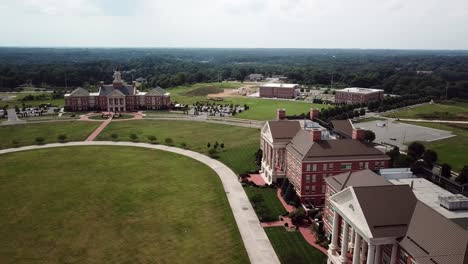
[(356, 179), (157, 91), (387, 209), (305, 149), (109, 88), (432, 238), (283, 130)]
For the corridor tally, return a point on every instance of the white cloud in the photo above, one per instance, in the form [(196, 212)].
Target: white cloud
[(240, 23)]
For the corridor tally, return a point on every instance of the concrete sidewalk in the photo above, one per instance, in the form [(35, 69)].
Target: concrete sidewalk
[(254, 237)]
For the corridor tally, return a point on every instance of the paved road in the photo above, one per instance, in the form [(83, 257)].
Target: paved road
[(434, 121), (255, 240)]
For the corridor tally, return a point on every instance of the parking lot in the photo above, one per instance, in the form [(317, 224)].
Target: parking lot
[(396, 133)]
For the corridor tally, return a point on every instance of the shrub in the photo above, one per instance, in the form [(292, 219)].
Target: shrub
[(169, 141), (152, 139), (114, 136), (15, 143), (62, 138), (40, 140), (298, 216), (134, 137), (208, 145), (183, 145), (222, 145), (212, 153)]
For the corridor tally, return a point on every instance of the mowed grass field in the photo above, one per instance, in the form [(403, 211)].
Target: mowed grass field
[(26, 134), (16, 99), (292, 248), (260, 109), (452, 150), (447, 111), (270, 200), (240, 143), (98, 204)]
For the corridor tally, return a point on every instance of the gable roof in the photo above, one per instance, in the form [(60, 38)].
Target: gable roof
[(432, 238), (157, 91), (398, 202), (109, 88), (343, 126), (350, 149), (79, 92), (283, 130), (357, 179)]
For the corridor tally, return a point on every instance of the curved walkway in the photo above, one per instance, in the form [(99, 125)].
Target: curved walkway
[(254, 237)]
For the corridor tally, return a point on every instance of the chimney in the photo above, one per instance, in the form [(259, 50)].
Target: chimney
[(315, 134), (314, 113), (280, 114), (358, 133)]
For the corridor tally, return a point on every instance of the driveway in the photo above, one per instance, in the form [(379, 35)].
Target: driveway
[(255, 240), (12, 118)]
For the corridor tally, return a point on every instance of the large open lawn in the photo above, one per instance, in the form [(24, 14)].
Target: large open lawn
[(22, 135), (451, 150), (292, 248), (240, 143), (16, 99), (113, 205), (450, 111), (260, 109)]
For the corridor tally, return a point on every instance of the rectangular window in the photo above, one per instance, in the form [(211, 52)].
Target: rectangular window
[(314, 178), (346, 166), (367, 164), (361, 165), (307, 178), (323, 188), (314, 167), (376, 164), (308, 167), (313, 188), (307, 189), (382, 163), (325, 166), (331, 166)]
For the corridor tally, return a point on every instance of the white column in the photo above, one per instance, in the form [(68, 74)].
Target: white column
[(371, 254), (351, 241), (344, 243), (393, 259), (378, 253), (357, 248), (335, 233), (362, 256)]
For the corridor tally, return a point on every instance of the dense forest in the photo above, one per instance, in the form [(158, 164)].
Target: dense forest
[(438, 74)]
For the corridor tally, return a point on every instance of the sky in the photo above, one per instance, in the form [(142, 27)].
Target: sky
[(376, 24)]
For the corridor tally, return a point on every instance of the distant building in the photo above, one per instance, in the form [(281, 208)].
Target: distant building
[(279, 90), (255, 77), (117, 97), (357, 95), (141, 80), (370, 220)]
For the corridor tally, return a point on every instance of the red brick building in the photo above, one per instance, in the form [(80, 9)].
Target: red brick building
[(356, 95), (279, 90), (117, 97), (307, 155)]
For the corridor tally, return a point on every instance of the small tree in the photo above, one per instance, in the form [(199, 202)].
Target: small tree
[(62, 137), (183, 145), (298, 216), (15, 143), (463, 176), (114, 136), (40, 140), (152, 139), (369, 136), (416, 149), (134, 137), (430, 157), (446, 171), (208, 145), (216, 145), (169, 141), (213, 153), (221, 145), (362, 111)]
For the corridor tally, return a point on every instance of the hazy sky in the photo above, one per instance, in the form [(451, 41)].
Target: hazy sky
[(407, 24)]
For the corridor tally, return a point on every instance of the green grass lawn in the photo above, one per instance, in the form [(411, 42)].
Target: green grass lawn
[(240, 143), (122, 116), (270, 201), (113, 205), (292, 248), (452, 111), (451, 150), (26, 134), (260, 109)]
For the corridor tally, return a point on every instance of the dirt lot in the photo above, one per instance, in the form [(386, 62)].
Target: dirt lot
[(240, 92)]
